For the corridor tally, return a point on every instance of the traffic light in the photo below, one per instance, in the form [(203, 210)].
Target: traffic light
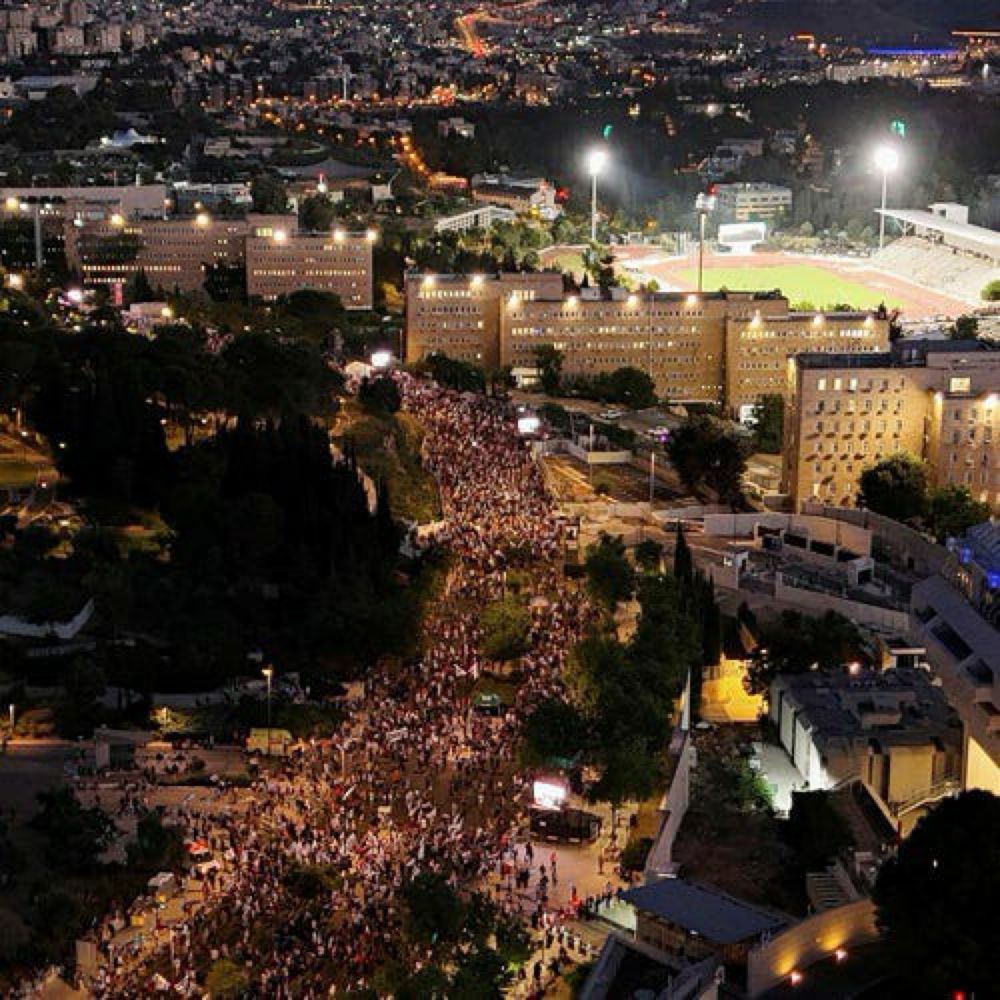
[(898, 127), (606, 131)]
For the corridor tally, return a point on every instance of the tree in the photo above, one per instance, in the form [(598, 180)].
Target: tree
[(936, 900), (795, 642), (683, 562), (991, 291), (380, 395), (480, 975), (895, 487), (76, 836), (951, 511), (434, 912), (768, 423), (505, 626), (156, 846), (630, 386), (549, 360), (554, 728), (269, 195), (609, 574), (138, 288), (964, 328), (816, 831), (316, 214), (707, 453), (648, 555)]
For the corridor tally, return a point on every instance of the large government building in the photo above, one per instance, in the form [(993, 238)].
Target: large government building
[(718, 347), (175, 254), (936, 400)]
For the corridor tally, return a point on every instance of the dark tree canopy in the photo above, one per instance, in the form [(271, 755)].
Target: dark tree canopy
[(895, 487), (937, 900)]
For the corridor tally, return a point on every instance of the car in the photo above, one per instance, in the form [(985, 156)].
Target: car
[(612, 414)]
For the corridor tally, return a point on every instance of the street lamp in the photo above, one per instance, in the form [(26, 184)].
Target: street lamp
[(597, 160), (703, 204), (886, 160), (268, 673)]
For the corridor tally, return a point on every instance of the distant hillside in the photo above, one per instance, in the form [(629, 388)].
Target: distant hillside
[(887, 22)]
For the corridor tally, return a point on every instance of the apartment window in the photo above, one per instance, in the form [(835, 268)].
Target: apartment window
[(960, 383), (821, 385)]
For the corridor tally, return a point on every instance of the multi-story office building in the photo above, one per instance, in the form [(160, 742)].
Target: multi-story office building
[(176, 253), (459, 314), (745, 202), (719, 347), (936, 400), (339, 262)]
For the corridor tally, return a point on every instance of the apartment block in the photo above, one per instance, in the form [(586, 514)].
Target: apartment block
[(719, 347), (936, 400), (176, 253)]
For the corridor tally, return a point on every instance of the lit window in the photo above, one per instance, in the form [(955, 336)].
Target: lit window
[(960, 383)]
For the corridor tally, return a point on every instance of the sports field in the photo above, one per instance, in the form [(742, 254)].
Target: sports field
[(799, 282)]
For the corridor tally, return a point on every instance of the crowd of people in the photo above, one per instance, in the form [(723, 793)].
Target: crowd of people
[(418, 782)]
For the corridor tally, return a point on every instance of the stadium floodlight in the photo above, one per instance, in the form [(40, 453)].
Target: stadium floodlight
[(887, 160), (597, 160), (703, 204)]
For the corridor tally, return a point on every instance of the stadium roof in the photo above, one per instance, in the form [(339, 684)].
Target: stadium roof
[(709, 912), (987, 238)]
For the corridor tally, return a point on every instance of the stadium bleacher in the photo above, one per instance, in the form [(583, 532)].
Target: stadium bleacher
[(937, 266)]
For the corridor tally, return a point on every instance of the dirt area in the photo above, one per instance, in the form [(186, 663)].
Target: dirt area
[(739, 850)]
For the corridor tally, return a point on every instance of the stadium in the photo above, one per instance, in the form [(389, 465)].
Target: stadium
[(936, 268)]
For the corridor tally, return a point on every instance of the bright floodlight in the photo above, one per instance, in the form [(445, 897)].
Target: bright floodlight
[(597, 160), (549, 794), (75, 295), (381, 359), (886, 159), (528, 425)]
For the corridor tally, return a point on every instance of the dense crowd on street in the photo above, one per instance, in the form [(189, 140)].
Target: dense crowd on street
[(418, 781)]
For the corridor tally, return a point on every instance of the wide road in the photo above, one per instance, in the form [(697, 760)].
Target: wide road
[(430, 786)]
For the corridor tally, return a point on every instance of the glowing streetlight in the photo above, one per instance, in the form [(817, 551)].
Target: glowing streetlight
[(886, 160), (15, 281), (268, 673), (597, 160), (381, 359), (371, 235)]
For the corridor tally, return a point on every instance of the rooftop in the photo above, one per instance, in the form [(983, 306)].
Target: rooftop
[(704, 910), (987, 238), (904, 354)]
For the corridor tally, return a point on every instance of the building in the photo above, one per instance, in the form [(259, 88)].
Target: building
[(694, 922), (459, 315), (893, 730), (719, 347), (529, 197), (337, 262), (478, 217), (755, 202), (955, 616), (145, 201), (936, 400), (176, 254)]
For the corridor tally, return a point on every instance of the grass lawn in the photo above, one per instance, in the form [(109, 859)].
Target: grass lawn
[(564, 260), (800, 282)]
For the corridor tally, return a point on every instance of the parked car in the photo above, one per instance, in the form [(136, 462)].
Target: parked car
[(612, 414)]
